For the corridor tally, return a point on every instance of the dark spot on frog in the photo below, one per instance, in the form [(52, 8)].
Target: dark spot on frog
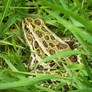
[(61, 46), (51, 51), (58, 67), (31, 58), (46, 69), (38, 22), (29, 38), (29, 32), (39, 33), (73, 58), (40, 67), (38, 51), (46, 55), (46, 37), (52, 69), (52, 37), (45, 44), (52, 63), (26, 28), (36, 45), (24, 21), (51, 44), (44, 29)]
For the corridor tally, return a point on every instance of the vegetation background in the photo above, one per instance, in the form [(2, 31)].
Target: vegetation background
[(63, 17)]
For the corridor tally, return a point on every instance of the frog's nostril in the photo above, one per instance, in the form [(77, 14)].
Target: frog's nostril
[(29, 19)]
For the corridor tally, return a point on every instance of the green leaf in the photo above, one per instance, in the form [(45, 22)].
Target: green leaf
[(2, 42), (58, 55), (6, 58), (69, 13), (5, 10), (26, 82), (10, 21), (86, 66), (14, 43), (82, 90)]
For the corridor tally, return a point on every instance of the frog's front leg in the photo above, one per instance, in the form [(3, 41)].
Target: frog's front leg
[(32, 59)]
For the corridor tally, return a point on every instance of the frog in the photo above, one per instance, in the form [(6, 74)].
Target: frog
[(42, 43)]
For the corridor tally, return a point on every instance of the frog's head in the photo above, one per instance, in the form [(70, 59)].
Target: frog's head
[(26, 25), (36, 22), (30, 24)]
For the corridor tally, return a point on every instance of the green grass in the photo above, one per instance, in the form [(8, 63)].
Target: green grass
[(63, 17)]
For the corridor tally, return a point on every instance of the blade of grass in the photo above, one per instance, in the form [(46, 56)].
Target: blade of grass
[(63, 4), (44, 89), (21, 89), (5, 10), (69, 13), (6, 58), (26, 82), (2, 42), (14, 43), (86, 66), (82, 90), (10, 21), (57, 55)]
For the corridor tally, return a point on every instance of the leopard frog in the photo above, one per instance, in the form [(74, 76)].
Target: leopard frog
[(42, 42)]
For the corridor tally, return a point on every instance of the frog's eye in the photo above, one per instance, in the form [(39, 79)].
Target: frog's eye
[(37, 22)]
